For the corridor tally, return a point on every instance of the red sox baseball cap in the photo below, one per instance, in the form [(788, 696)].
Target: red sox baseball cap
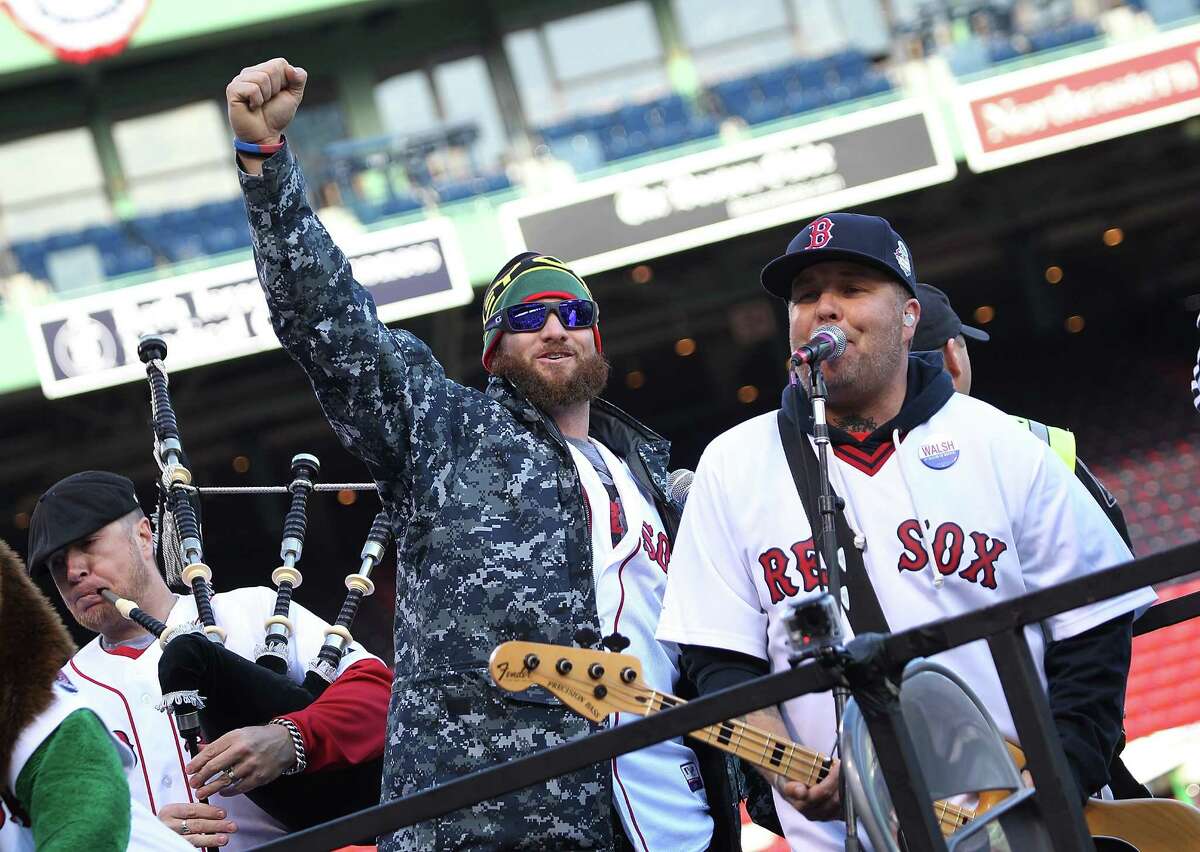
[(852, 237)]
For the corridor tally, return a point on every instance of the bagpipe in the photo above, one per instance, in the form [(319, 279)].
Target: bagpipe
[(211, 690)]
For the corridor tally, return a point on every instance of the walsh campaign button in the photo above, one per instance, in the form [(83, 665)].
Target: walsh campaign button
[(939, 452)]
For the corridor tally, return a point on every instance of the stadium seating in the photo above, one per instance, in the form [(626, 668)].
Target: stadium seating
[(136, 245), (478, 185), (588, 141), (395, 205)]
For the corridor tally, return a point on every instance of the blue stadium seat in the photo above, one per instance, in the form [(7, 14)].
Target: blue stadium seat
[(1061, 36), (561, 130), (478, 185), (103, 237), (701, 126), (1167, 11), (632, 117), (179, 221), (31, 255), (182, 245), (806, 99), (734, 95), (131, 258), (614, 141), (872, 83), (394, 206), (1000, 49), (811, 74), (762, 109), (848, 63), (55, 242), (223, 239), (669, 110)]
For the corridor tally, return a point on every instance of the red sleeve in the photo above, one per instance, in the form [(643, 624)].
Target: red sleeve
[(347, 725)]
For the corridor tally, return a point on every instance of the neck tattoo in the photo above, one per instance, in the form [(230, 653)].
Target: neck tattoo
[(855, 423)]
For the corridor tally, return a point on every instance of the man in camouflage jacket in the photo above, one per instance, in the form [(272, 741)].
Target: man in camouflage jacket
[(495, 543)]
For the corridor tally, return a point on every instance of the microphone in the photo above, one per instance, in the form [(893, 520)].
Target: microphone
[(679, 484), (827, 343)]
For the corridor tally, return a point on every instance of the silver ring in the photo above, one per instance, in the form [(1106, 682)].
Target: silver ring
[(231, 779), (183, 827)]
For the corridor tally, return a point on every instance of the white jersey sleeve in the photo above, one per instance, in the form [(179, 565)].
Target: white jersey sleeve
[(711, 599), (1061, 535)]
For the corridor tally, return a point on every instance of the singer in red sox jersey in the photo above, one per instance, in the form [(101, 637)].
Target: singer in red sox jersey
[(954, 506)]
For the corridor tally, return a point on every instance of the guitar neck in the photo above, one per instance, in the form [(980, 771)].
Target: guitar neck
[(784, 757), (756, 746)]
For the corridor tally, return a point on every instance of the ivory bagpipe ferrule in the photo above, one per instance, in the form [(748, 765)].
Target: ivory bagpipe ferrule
[(287, 577), (323, 670)]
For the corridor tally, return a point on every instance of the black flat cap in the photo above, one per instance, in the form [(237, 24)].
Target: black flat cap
[(75, 507)]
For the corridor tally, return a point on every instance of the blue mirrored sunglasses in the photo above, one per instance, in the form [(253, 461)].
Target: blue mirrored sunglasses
[(531, 316)]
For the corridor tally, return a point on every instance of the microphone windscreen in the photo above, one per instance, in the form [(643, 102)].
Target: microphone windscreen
[(835, 335), (679, 484)]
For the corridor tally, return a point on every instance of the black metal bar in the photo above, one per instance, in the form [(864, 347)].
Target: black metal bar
[(770, 690), (1038, 606), (536, 768), (1168, 613), (1057, 799)]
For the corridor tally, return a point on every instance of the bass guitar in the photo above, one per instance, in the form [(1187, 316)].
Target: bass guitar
[(596, 684)]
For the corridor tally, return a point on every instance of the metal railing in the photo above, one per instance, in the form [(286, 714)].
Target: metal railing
[(873, 660)]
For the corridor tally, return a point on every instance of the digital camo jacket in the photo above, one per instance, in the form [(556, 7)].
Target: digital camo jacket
[(493, 546)]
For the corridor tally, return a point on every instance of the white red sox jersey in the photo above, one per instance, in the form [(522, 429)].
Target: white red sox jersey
[(657, 791), (121, 686), (146, 833), (967, 511)]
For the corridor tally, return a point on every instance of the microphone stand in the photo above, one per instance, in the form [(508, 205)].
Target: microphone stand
[(827, 504)]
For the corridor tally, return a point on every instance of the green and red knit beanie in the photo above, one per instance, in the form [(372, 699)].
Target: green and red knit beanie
[(529, 277)]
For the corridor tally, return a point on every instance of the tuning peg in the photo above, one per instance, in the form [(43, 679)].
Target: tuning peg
[(615, 642), (585, 637)]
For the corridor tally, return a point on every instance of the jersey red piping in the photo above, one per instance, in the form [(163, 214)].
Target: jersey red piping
[(182, 764), (132, 725), (617, 778)]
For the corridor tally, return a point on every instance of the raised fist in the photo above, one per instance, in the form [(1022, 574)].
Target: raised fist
[(263, 99)]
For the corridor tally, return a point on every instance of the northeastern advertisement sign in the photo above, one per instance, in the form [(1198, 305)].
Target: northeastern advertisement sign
[(1077, 101), (220, 313), (736, 189)]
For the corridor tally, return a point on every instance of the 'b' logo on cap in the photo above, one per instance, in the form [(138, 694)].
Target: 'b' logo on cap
[(819, 233)]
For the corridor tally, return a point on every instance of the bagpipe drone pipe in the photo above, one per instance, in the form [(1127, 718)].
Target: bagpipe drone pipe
[(210, 689)]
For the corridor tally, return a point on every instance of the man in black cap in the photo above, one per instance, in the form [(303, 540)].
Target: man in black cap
[(941, 330), (89, 532), (949, 507)]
